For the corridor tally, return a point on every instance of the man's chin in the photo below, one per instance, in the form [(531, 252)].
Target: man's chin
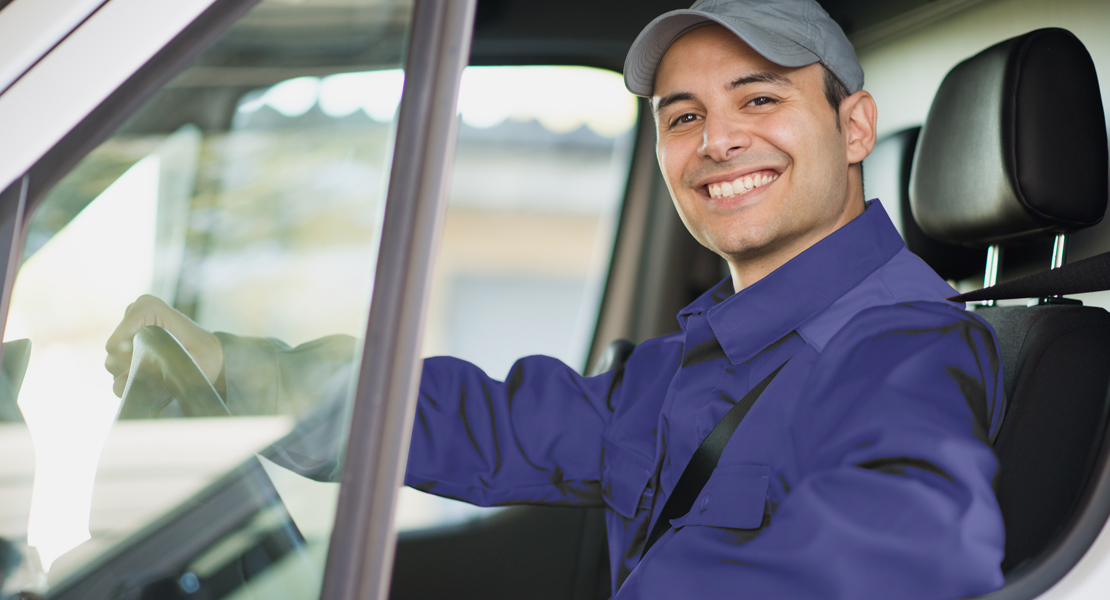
[(743, 239), (742, 250)]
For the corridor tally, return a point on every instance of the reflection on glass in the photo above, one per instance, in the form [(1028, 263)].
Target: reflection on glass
[(248, 195), (69, 419)]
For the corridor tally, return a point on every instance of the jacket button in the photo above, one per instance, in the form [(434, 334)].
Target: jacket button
[(704, 503)]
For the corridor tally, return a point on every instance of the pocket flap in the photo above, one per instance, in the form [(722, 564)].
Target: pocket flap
[(734, 497), (624, 476)]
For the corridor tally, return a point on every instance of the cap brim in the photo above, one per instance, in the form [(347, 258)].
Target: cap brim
[(652, 43)]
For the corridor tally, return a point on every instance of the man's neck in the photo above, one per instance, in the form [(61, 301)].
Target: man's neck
[(748, 270)]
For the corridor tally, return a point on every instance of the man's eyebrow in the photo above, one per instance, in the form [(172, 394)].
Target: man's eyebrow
[(671, 99), (760, 77)]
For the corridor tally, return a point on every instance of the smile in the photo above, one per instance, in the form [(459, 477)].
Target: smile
[(741, 185)]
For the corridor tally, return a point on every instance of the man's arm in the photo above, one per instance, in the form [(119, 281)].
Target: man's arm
[(265, 376), (533, 439), (255, 376), (893, 495)]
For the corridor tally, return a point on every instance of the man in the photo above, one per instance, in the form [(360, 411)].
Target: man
[(862, 471)]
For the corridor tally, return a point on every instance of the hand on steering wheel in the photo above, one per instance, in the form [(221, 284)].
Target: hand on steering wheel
[(162, 372), (200, 343)]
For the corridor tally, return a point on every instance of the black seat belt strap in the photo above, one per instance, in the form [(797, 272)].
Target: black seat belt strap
[(704, 461), (1087, 275)]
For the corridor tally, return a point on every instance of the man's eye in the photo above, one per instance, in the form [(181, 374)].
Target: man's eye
[(762, 101), (683, 119)]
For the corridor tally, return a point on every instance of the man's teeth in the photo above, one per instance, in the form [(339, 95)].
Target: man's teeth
[(741, 185)]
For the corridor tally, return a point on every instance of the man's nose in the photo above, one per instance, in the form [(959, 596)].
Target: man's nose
[(723, 138)]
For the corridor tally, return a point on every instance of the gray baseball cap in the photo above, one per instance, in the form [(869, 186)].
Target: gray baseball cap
[(791, 33)]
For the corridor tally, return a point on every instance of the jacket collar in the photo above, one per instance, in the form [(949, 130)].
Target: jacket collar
[(747, 322)]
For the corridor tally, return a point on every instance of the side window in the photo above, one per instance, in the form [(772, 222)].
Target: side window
[(540, 170), (248, 196)]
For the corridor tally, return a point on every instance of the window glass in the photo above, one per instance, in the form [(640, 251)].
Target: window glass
[(540, 170), (247, 195)]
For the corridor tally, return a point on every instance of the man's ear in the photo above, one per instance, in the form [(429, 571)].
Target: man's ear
[(858, 114)]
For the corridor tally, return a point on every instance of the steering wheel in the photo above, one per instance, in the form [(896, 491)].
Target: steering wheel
[(163, 372)]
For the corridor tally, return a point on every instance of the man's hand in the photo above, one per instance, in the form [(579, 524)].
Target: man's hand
[(201, 344)]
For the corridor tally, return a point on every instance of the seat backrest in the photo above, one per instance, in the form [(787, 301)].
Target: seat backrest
[(987, 171), (1057, 368)]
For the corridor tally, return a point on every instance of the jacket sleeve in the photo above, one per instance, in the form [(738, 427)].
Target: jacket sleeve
[(311, 382), (265, 376), (893, 496), (533, 439)]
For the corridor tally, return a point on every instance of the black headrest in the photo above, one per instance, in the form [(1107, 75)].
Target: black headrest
[(886, 176), (1014, 146)]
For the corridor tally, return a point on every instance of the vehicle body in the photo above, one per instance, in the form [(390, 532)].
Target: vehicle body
[(283, 207)]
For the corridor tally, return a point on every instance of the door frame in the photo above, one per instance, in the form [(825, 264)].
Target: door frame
[(81, 91)]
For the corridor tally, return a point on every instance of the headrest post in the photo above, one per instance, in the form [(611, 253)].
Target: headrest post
[(990, 273), (1059, 258), (1059, 251)]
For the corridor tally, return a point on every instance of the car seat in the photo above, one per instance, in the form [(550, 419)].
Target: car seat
[(1014, 149), (886, 176)]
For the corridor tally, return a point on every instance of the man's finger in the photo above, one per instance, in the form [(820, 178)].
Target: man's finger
[(120, 383), (120, 344), (117, 362), (119, 353), (120, 340)]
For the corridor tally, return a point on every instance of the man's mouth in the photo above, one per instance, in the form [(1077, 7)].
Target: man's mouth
[(741, 185)]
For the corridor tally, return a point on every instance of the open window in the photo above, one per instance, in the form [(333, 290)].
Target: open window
[(249, 192), (540, 171)]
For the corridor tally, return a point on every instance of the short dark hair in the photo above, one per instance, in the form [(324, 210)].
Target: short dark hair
[(835, 93), (835, 90)]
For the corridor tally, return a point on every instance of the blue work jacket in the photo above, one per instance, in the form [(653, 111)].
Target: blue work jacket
[(863, 471)]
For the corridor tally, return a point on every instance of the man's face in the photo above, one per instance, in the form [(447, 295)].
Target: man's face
[(750, 151)]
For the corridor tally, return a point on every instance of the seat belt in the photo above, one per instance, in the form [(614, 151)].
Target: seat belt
[(1087, 275), (703, 462)]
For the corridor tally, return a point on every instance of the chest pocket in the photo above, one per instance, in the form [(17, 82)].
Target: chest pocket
[(624, 479), (734, 497)]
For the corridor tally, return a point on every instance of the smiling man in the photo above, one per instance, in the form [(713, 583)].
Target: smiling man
[(819, 428), (759, 164)]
